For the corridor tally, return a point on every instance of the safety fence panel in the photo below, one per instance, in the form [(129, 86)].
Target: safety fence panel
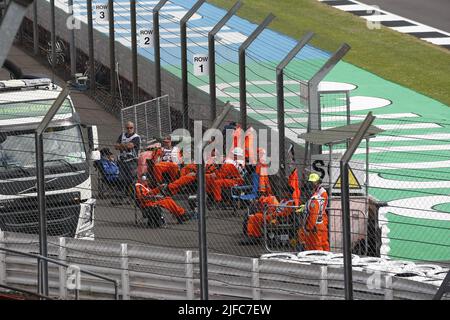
[(152, 118), (335, 108), (151, 272)]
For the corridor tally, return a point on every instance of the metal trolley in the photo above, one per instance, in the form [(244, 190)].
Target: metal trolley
[(281, 224)]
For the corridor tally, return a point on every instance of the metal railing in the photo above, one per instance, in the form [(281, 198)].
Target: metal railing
[(27, 292), (42, 258)]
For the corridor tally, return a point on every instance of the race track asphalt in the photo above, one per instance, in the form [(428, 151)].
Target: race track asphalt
[(434, 13)]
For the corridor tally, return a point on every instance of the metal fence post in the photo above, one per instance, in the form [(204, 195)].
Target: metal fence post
[(388, 290), (346, 229), (134, 66), (2, 258), (323, 282), (345, 203), (73, 49), (42, 264), (314, 118), (203, 253), (280, 98), (35, 29), (158, 117), (242, 71), (314, 115), (125, 272), (189, 276), (135, 120), (40, 177), (212, 58), (146, 122), (112, 53), (184, 63), (62, 256), (92, 83), (10, 24), (201, 200), (444, 288), (53, 36), (347, 107), (157, 47), (255, 279)]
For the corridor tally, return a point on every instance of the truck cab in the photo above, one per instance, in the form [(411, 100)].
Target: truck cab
[(69, 203)]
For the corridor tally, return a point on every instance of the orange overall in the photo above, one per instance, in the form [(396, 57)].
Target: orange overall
[(187, 169), (264, 184), (165, 167), (247, 138), (294, 183), (315, 235), (256, 220), (144, 196), (226, 177), (169, 168), (188, 175), (250, 146)]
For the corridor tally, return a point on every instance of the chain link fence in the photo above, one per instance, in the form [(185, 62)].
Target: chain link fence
[(152, 200)]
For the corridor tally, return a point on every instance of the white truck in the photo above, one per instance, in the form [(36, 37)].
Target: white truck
[(69, 202)]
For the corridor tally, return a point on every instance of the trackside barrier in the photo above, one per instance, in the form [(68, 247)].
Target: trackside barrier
[(150, 272), (16, 255)]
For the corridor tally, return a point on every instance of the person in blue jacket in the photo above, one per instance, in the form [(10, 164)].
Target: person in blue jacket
[(109, 166), (112, 175)]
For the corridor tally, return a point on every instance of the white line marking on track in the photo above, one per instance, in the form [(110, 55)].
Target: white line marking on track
[(376, 181), (409, 29), (412, 165), (395, 127), (419, 207), (433, 147), (441, 137), (439, 41), (382, 17), (355, 7)]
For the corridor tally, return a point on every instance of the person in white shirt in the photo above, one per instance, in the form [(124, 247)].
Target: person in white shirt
[(128, 144), (168, 162)]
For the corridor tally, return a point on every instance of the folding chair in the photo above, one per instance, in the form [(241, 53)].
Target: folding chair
[(246, 194), (104, 187)]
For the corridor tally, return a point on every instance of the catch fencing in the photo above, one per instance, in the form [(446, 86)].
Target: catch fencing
[(411, 189)]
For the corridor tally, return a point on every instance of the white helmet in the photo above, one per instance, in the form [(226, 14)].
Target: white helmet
[(238, 152)]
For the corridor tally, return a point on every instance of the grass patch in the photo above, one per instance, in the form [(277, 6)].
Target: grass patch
[(392, 55)]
